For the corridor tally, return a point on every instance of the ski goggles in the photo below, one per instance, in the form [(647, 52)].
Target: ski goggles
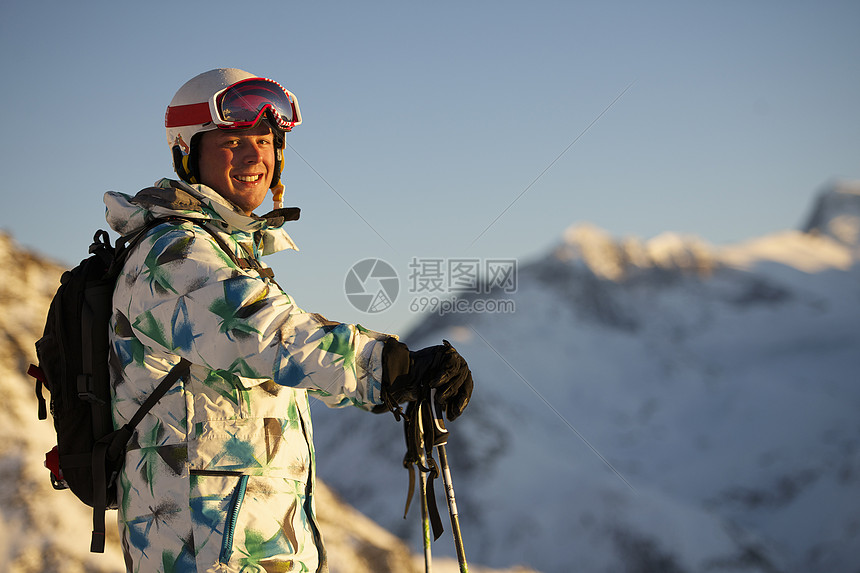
[(240, 106)]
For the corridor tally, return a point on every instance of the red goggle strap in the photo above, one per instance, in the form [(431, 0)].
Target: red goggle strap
[(199, 113), (191, 114)]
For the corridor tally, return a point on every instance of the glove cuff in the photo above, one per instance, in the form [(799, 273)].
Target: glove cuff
[(396, 360)]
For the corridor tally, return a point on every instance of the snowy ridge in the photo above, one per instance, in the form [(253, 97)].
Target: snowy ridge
[(829, 239), (615, 260), (661, 405), (37, 536)]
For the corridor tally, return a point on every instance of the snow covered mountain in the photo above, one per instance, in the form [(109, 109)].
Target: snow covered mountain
[(651, 406), (45, 531)]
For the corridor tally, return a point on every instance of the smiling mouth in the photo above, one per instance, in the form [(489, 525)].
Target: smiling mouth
[(248, 178)]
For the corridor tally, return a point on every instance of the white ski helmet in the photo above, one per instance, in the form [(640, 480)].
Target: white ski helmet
[(227, 98)]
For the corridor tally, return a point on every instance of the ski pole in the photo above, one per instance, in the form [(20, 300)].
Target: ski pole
[(452, 509), (425, 517), (440, 438)]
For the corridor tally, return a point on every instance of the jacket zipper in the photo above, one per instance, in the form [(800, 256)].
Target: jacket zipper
[(309, 493), (232, 518)]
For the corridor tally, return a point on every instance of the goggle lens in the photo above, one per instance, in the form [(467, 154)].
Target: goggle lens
[(244, 103)]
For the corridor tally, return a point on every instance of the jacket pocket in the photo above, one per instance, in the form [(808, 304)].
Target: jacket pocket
[(216, 504), (274, 447)]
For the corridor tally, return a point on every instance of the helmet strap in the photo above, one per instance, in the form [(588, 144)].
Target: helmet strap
[(280, 143)]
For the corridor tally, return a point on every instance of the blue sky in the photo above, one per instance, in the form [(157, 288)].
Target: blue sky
[(428, 126)]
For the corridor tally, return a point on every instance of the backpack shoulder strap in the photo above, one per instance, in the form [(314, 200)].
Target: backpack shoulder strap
[(112, 446)]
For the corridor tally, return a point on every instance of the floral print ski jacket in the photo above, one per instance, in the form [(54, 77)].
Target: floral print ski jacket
[(219, 476)]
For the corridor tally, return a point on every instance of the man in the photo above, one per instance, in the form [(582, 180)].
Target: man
[(219, 476)]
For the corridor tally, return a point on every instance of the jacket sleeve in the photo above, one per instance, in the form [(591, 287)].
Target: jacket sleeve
[(190, 299)]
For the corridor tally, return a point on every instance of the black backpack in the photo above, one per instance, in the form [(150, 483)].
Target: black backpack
[(73, 365)]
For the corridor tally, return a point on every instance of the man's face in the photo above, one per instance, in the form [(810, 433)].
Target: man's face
[(238, 164)]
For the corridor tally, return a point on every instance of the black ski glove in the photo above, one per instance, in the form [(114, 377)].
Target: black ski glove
[(405, 374)]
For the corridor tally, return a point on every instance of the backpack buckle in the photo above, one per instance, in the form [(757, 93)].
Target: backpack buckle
[(85, 389)]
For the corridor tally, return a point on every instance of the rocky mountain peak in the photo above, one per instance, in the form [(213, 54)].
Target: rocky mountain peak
[(618, 259), (836, 213)]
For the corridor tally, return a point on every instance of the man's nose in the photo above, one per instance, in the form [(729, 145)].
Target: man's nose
[(252, 153)]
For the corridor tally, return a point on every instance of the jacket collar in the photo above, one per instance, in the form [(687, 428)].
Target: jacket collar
[(125, 214)]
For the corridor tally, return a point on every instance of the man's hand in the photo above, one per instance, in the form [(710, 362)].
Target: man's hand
[(406, 374)]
